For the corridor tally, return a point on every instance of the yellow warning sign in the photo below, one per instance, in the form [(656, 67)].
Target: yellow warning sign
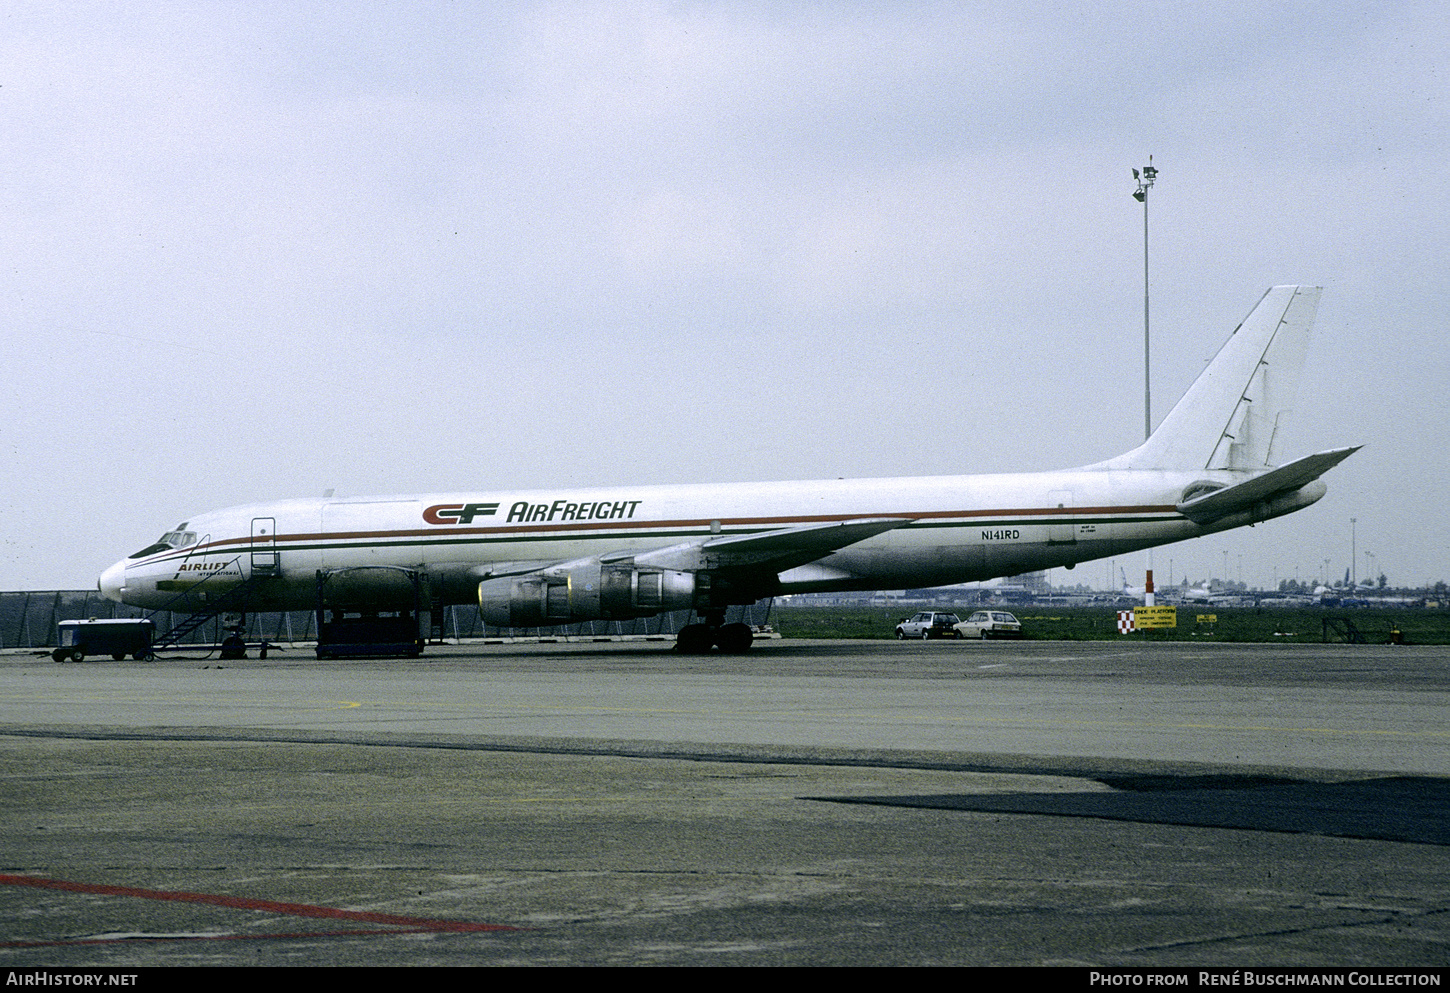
[(1155, 617)]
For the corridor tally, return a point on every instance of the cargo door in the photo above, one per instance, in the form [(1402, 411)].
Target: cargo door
[(1062, 531), (371, 532)]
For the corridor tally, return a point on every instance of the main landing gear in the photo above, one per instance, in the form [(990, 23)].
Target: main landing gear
[(698, 639)]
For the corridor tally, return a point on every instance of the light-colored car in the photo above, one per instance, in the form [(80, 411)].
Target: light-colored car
[(928, 624), (986, 624)]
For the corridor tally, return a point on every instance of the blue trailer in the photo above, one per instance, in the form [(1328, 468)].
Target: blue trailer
[(117, 638)]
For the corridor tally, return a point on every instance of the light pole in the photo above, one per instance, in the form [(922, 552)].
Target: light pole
[(1145, 183), (1353, 556)]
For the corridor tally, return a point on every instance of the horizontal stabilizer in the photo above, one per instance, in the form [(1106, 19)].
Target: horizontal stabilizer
[(1221, 503)]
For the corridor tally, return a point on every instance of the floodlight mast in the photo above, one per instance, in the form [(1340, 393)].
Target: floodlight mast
[(1145, 183)]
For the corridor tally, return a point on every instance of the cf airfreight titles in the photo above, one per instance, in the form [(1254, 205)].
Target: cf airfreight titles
[(525, 512)]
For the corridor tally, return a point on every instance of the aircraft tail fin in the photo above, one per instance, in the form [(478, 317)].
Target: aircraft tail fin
[(1233, 415)]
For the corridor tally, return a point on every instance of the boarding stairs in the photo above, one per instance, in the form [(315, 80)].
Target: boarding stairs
[(230, 599)]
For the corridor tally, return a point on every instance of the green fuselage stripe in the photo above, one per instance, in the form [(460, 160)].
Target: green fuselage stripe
[(347, 541)]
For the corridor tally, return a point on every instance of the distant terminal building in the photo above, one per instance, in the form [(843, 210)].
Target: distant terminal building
[(1033, 582)]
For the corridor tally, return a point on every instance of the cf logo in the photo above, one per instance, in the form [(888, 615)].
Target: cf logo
[(458, 513)]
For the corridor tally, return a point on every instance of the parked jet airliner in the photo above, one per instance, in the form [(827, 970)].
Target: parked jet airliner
[(543, 557)]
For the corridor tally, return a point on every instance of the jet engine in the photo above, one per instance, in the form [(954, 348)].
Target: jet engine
[(585, 590)]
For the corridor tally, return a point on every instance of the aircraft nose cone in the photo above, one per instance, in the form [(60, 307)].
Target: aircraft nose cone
[(112, 583)]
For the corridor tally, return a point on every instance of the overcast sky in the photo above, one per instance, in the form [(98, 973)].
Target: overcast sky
[(255, 251)]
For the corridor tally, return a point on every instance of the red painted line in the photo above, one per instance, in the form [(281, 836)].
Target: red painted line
[(279, 936), (252, 903)]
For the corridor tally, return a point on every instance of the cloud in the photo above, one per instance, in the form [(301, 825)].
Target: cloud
[(256, 251)]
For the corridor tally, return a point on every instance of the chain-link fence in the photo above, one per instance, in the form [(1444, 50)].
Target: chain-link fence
[(29, 619)]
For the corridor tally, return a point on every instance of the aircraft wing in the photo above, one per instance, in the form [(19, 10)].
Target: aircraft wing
[(639, 582), (1291, 476), (773, 551), (493, 570)]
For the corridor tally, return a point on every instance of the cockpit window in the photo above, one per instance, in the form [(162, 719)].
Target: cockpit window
[(168, 541)]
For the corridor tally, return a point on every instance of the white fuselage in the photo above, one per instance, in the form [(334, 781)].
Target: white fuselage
[(554, 556), (960, 529)]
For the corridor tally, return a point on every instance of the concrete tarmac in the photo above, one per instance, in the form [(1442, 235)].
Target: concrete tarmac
[(813, 802)]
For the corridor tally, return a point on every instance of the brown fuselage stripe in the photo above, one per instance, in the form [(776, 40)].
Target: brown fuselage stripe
[(645, 526)]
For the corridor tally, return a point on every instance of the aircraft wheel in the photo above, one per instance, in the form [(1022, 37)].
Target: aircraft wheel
[(693, 639), (735, 639)]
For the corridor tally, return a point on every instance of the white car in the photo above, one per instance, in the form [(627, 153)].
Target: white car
[(928, 624), (986, 624)]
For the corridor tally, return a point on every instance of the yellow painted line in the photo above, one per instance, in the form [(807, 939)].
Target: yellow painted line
[(493, 711), (497, 710)]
